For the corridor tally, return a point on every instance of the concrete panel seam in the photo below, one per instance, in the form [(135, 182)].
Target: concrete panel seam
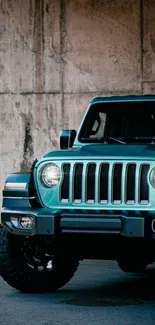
[(62, 43), (105, 92), (142, 39)]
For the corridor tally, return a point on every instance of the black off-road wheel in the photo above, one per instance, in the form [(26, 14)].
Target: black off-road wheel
[(132, 266), (33, 272)]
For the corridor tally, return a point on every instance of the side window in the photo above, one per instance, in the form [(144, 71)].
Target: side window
[(98, 126)]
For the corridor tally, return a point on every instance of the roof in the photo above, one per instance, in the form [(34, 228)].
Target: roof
[(130, 98)]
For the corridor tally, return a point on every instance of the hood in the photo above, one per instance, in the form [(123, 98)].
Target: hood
[(106, 151)]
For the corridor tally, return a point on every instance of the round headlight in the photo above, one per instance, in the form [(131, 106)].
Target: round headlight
[(152, 177), (50, 175)]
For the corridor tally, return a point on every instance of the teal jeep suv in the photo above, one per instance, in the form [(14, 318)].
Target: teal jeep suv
[(94, 198)]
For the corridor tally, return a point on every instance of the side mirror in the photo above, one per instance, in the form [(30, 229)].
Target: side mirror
[(67, 138)]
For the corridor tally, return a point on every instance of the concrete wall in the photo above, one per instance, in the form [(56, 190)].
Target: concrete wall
[(57, 55)]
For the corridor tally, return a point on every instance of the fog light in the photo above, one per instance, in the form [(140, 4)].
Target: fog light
[(26, 222)]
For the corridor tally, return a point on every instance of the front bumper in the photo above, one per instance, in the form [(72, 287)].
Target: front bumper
[(46, 223)]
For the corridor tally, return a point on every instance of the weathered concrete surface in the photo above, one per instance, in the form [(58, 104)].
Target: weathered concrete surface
[(149, 47), (22, 138), (17, 59), (29, 46), (149, 88), (102, 46), (55, 56), (51, 45), (149, 40)]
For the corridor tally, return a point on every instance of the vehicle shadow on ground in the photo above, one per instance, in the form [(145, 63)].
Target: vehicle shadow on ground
[(137, 286), (120, 285)]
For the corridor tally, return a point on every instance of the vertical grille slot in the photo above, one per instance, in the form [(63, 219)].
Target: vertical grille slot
[(90, 183), (130, 183), (103, 184), (77, 183), (64, 191), (143, 186), (117, 183)]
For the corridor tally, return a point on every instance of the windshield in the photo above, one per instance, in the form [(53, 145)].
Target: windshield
[(124, 121)]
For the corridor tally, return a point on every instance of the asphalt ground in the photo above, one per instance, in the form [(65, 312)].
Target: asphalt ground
[(100, 293)]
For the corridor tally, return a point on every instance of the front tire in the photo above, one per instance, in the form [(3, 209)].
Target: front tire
[(16, 270), (132, 266)]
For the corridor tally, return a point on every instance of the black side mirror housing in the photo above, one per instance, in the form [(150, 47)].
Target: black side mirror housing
[(67, 138)]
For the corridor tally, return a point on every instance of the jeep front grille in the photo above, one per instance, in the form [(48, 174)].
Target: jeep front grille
[(105, 183)]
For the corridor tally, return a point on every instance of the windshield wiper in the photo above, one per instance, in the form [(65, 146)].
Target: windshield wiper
[(95, 139), (103, 139), (152, 139), (115, 140), (145, 138)]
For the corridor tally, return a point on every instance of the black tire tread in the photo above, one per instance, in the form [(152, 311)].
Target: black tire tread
[(21, 277), (132, 266)]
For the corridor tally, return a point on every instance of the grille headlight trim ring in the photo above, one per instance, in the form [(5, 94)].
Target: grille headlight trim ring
[(152, 177)]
